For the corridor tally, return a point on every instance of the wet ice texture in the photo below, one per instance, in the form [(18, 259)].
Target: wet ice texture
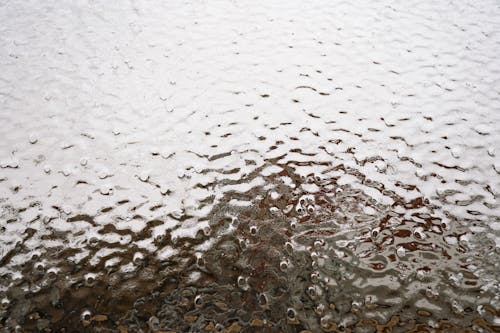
[(243, 165)]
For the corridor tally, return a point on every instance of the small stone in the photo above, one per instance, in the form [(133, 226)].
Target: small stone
[(257, 322), (190, 318), (210, 326), (424, 313), (235, 327), (221, 305), (122, 329), (34, 316), (99, 318)]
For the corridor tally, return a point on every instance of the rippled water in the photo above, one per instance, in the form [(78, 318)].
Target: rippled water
[(254, 166)]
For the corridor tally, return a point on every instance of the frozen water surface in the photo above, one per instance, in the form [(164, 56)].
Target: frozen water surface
[(253, 166)]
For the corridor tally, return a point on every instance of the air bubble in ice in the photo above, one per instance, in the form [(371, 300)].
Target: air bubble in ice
[(319, 244), (242, 282), (274, 210), (198, 301), (90, 279), (400, 251), (4, 303), (456, 152), (380, 166), (291, 313), (418, 232), (253, 230), (33, 138), (325, 321), (40, 267), (66, 145), (200, 262), (11, 163), (138, 258), (67, 209), (207, 230), (104, 173), (93, 241), (483, 129), (154, 151), (178, 213), (154, 323), (164, 190), (430, 293), (144, 176), (311, 291), (457, 307), (51, 274), (86, 315), (456, 279), (320, 309), (421, 274), (263, 299)]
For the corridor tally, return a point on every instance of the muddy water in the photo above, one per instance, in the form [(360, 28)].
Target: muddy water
[(253, 166)]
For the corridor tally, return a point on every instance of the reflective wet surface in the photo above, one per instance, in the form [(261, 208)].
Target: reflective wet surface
[(269, 166)]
